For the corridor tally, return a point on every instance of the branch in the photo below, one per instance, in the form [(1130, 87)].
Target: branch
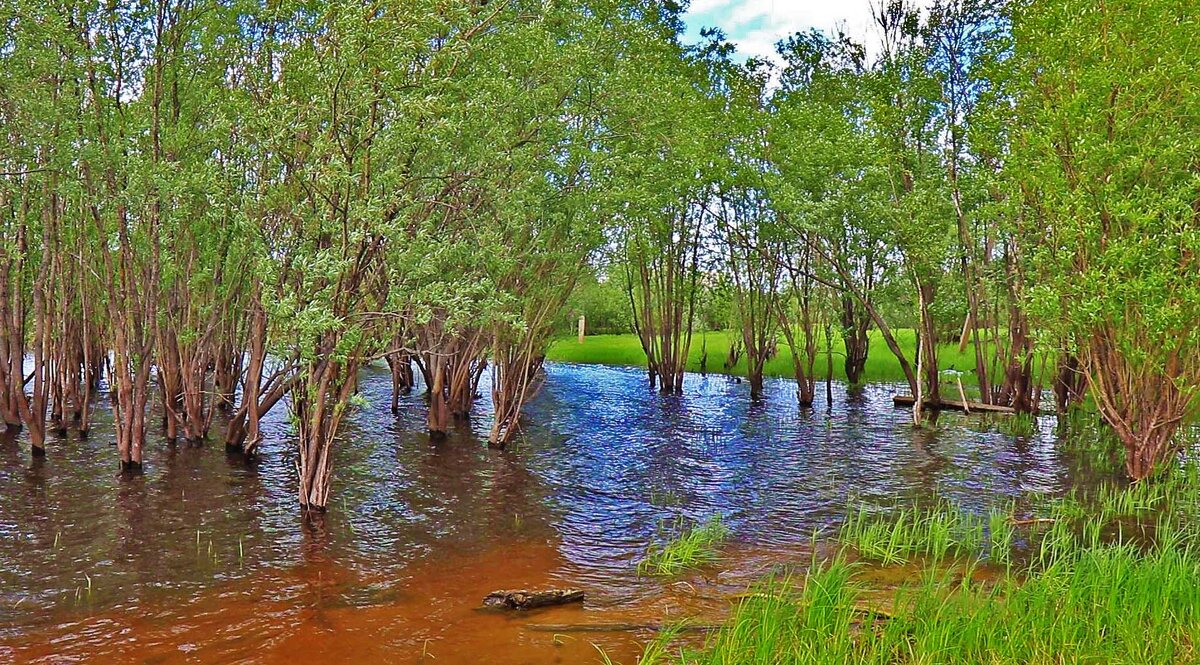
[(9, 174)]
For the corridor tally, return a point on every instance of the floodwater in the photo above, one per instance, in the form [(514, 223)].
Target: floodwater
[(204, 558)]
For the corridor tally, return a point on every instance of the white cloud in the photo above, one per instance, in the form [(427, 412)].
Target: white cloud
[(755, 25)]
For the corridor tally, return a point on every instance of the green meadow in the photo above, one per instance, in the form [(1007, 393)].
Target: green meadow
[(881, 367)]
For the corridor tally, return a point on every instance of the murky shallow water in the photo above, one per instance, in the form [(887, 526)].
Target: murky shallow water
[(206, 559)]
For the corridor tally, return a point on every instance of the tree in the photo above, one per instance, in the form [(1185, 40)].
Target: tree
[(663, 173), (830, 189), (1105, 155)]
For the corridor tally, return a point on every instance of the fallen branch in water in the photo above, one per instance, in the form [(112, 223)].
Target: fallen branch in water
[(1035, 520), (616, 627), (528, 600)]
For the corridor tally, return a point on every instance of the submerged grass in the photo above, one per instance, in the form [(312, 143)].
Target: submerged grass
[(688, 547), (1002, 536), (1106, 577), (1105, 605), (892, 538)]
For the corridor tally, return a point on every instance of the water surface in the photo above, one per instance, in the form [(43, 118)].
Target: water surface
[(206, 559)]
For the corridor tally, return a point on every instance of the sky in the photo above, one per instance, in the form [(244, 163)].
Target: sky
[(755, 25)]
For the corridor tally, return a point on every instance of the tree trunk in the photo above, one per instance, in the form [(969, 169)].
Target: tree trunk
[(438, 418), (227, 369), (1069, 382), (928, 340), (400, 364), (856, 325), (515, 374), (320, 405)]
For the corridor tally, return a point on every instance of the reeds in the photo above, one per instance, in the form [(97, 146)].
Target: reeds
[(688, 547), (894, 537), (1093, 589), (1103, 604)]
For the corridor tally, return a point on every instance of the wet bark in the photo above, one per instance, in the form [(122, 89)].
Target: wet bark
[(846, 283), (1144, 402), (1015, 350), (170, 387), (516, 376), (320, 404), (464, 373), (227, 370), (438, 417), (18, 271), (452, 363), (528, 600), (1069, 383), (259, 396), (855, 326), (797, 320), (400, 363), (927, 341), (756, 273), (803, 363)]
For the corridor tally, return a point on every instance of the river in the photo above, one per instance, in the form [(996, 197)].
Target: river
[(204, 558)]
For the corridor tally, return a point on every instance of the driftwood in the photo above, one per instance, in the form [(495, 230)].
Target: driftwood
[(905, 401), (528, 600)]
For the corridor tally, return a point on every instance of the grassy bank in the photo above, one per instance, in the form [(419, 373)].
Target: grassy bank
[(1107, 577), (1108, 604), (881, 364)]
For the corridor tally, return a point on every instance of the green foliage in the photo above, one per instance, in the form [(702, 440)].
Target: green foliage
[(1114, 186), (457, 182), (1103, 160), (603, 302)]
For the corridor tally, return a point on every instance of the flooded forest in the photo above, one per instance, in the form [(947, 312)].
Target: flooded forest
[(561, 331)]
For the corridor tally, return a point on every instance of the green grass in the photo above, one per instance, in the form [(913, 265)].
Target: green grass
[(1002, 535), (686, 547), (881, 365), (1104, 605), (894, 537), (1088, 595)]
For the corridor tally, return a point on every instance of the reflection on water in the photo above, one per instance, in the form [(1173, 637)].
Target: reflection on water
[(418, 531)]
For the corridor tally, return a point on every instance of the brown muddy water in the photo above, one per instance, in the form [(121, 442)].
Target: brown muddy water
[(205, 559)]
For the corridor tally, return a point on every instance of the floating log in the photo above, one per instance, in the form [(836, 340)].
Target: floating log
[(528, 600), (906, 402)]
